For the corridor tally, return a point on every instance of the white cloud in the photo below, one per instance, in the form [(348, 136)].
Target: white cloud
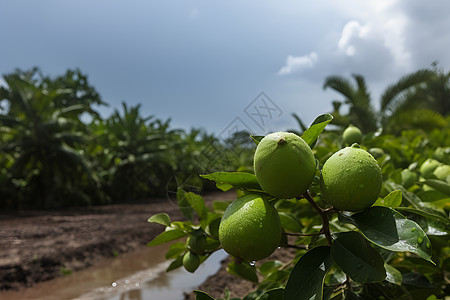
[(352, 30), (296, 64)]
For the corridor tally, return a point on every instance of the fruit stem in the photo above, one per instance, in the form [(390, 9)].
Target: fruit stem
[(325, 221)]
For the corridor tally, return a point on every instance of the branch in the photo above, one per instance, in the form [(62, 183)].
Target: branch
[(323, 214)]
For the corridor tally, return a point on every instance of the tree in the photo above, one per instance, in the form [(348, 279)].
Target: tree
[(42, 134), (408, 93), (361, 112)]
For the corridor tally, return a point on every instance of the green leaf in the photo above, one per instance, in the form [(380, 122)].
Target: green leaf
[(390, 230), (197, 203), (393, 199), (410, 197), (221, 205), (269, 267), (273, 294), (290, 222), (311, 135), (307, 276), (167, 236), (199, 295), (355, 256), (438, 185), (393, 275), (243, 270), (257, 138), (430, 223), (184, 205), (175, 250), (175, 264), (161, 218), (239, 180)]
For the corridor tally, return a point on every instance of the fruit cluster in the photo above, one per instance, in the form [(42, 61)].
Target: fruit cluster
[(285, 168)]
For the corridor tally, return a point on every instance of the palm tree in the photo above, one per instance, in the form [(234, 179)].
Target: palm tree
[(394, 100), (138, 163), (44, 138), (361, 112)]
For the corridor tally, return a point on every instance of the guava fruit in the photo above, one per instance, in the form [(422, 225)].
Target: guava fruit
[(376, 152), (409, 178), (191, 261), (351, 179), (351, 135), (428, 167), (442, 172), (250, 228), (197, 243), (284, 165), (442, 154)]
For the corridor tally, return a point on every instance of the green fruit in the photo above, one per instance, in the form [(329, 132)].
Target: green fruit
[(351, 179), (428, 167), (376, 152), (250, 228), (197, 244), (442, 154), (191, 261), (351, 135), (284, 165), (409, 178), (442, 172)]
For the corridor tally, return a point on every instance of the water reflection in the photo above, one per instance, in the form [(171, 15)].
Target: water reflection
[(134, 276), (131, 295)]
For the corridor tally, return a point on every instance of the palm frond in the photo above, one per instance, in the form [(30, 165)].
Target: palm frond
[(406, 82), (340, 85)]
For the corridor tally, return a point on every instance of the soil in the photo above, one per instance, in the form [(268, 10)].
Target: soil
[(40, 245)]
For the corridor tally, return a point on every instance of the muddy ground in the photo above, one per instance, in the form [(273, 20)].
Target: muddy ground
[(40, 245)]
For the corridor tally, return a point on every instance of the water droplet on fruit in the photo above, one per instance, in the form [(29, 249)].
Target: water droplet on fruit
[(413, 229), (420, 239), (114, 284), (252, 263)]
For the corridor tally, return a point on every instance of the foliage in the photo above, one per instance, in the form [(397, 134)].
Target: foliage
[(57, 151), (417, 100), (396, 249)]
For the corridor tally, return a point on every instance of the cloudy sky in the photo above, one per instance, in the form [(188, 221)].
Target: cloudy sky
[(218, 64)]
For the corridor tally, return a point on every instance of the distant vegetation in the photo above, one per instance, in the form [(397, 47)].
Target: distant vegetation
[(51, 157)]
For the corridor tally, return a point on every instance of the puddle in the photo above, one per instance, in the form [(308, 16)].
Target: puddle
[(138, 275)]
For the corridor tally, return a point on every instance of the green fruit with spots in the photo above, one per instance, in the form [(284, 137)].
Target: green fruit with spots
[(428, 167), (191, 261), (250, 228), (197, 244), (284, 165), (351, 135), (409, 178), (351, 179)]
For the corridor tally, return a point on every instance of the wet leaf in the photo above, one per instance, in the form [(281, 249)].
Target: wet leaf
[(355, 256), (390, 230), (307, 276), (393, 275), (311, 134)]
